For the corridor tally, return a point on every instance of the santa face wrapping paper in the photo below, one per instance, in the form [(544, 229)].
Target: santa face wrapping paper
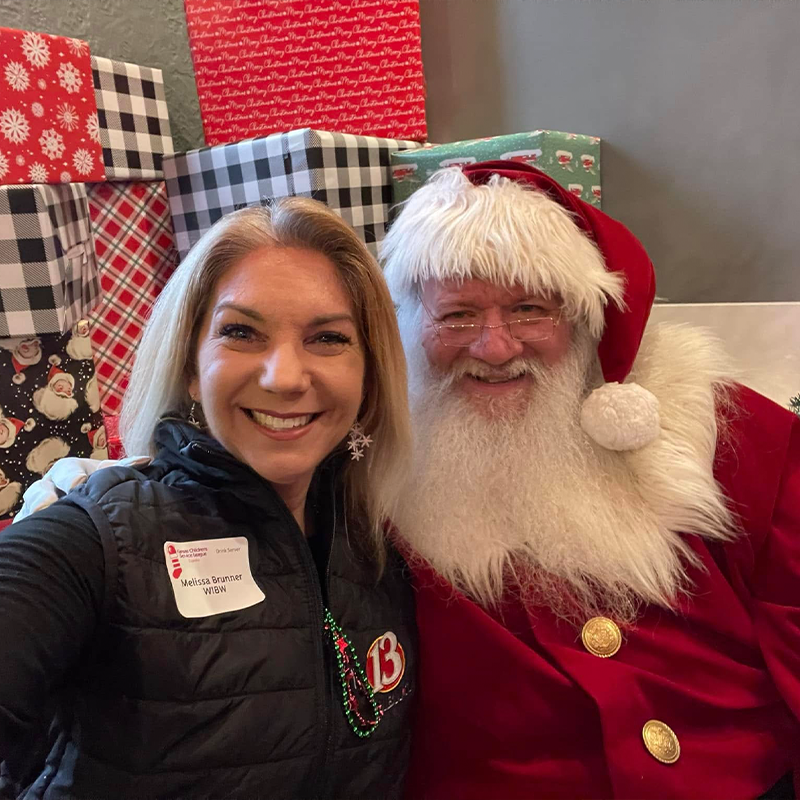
[(572, 159), (350, 174), (133, 118), (135, 250), (48, 113), (351, 66), (50, 409), (48, 270)]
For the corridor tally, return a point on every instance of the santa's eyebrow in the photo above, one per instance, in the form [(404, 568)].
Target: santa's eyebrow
[(446, 303)]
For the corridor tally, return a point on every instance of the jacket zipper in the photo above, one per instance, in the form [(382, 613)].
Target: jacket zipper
[(328, 752), (319, 639)]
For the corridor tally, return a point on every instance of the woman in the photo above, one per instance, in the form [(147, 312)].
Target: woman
[(212, 624)]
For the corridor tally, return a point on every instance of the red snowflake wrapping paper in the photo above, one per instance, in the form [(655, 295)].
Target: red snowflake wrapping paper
[(348, 66), (135, 250), (48, 112)]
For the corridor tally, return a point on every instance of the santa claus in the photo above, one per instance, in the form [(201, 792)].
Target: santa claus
[(604, 528), (79, 347), (9, 493), (55, 400), (45, 454), (10, 427), (98, 441), (25, 352)]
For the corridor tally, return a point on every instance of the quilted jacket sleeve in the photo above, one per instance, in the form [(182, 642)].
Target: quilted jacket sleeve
[(51, 593)]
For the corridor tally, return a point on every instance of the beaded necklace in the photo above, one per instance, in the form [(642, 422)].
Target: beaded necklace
[(353, 681)]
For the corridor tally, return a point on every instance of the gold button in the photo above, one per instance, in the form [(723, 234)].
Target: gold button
[(661, 741), (601, 637)]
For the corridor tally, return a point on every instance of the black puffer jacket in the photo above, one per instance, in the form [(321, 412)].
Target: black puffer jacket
[(240, 704)]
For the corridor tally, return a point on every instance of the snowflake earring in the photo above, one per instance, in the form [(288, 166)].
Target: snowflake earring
[(192, 419), (358, 442)]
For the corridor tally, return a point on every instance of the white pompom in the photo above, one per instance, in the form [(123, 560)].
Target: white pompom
[(621, 416)]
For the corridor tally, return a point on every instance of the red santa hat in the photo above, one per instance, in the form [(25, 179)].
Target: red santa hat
[(613, 294), (19, 371), (91, 434), (14, 426)]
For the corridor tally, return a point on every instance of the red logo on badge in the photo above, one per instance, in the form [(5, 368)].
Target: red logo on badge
[(386, 663), (173, 553)]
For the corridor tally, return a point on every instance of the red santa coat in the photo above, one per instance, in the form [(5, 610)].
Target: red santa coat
[(520, 709)]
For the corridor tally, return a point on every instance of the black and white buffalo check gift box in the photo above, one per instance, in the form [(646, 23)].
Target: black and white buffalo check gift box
[(49, 278), (132, 119), (351, 174)]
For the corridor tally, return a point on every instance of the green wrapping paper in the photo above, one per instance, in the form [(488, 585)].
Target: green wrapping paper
[(572, 159)]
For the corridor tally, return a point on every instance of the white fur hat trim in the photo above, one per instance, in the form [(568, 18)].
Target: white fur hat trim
[(621, 416)]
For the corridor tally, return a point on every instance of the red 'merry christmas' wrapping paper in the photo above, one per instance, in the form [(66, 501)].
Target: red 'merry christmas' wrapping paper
[(347, 66), (48, 113)]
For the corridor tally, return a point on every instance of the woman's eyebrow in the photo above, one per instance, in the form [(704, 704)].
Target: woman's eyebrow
[(326, 319), (245, 310)]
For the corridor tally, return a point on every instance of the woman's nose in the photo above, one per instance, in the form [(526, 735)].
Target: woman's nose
[(284, 370)]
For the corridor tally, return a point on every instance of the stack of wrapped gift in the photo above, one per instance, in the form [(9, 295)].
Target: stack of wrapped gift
[(572, 159), (130, 216), (49, 282), (84, 228), (351, 174)]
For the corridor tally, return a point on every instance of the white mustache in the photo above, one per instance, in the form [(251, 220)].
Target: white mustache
[(480, 369)]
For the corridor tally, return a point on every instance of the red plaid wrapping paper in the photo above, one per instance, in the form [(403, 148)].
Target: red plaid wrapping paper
[(135, 251)]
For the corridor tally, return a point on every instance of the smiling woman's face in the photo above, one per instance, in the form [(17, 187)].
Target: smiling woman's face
[(280, 368)]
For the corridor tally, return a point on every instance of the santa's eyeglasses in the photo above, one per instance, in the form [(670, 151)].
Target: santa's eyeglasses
[(526, 329)]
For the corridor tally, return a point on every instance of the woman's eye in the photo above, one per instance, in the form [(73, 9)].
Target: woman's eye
[(333, 338), (329, 342), (239, 333)]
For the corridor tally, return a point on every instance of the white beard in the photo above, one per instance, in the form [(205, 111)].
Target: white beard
[(79, 348), (92, 394), (47, 402), (524, 502), (45, 454), (9, 495)]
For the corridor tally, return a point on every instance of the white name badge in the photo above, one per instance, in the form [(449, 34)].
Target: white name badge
[(211, 576)]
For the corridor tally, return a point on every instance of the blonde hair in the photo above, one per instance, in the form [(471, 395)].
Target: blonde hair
[(166, 356), (502, 232)]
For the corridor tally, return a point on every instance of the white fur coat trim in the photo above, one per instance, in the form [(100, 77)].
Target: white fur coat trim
[(687, 370)]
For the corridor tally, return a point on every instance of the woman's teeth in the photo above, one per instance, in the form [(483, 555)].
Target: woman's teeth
[(280, 423)]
